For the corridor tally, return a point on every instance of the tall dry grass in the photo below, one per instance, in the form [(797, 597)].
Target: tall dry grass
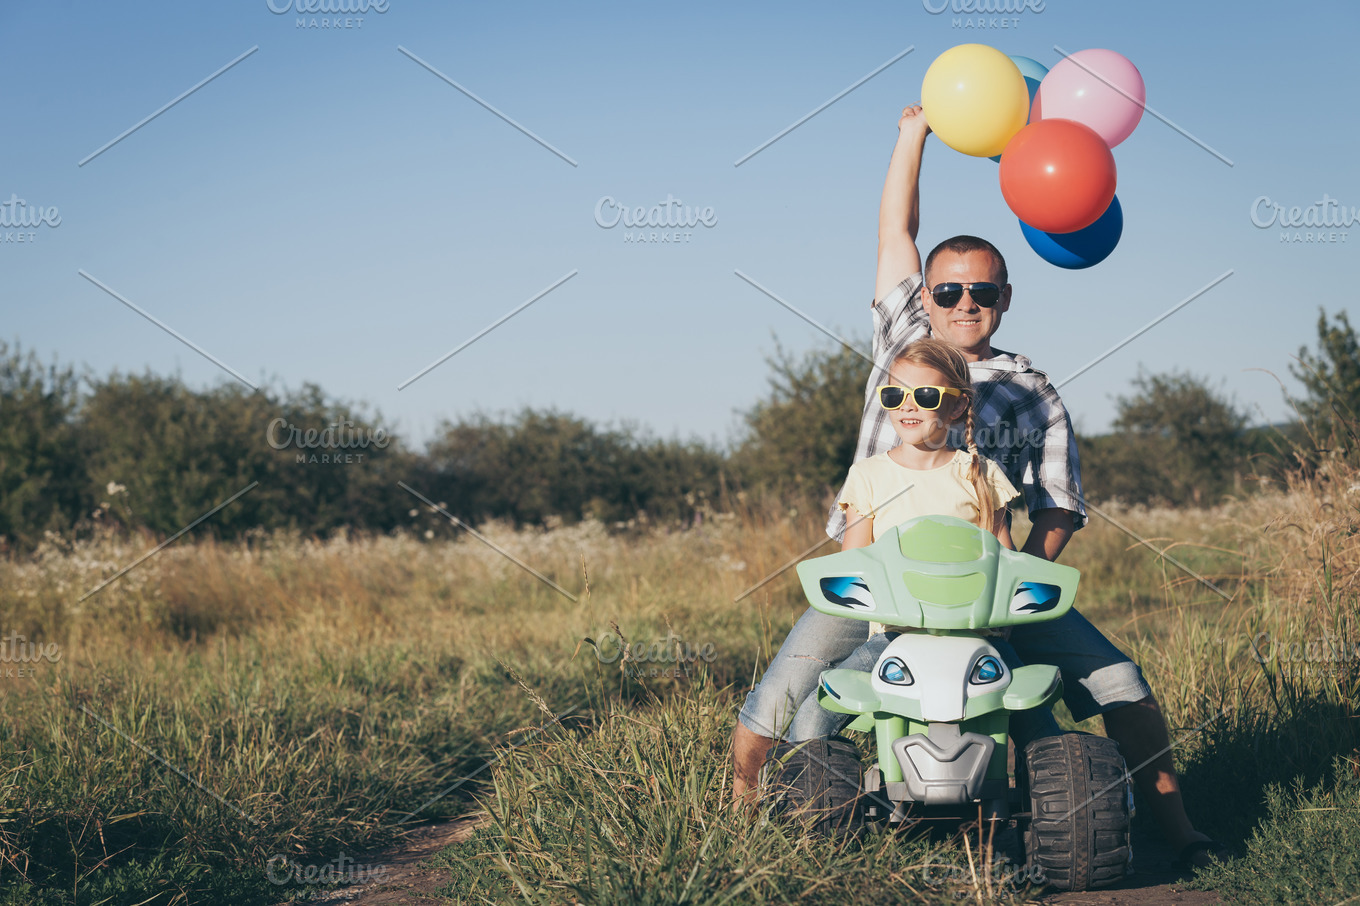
[(326, 690)]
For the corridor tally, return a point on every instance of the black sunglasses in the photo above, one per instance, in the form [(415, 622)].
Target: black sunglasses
[(947, 295)]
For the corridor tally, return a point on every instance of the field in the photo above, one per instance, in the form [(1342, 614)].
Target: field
[(235, 722)]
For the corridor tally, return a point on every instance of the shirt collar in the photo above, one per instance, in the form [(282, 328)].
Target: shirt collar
[(1004, 361)]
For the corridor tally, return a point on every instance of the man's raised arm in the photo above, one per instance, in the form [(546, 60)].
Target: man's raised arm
[(899, 214)]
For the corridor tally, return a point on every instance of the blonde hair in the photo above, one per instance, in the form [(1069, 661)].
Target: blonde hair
[(950, 363)]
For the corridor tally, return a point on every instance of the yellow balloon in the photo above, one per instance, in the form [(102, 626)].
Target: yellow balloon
[(975, 99)]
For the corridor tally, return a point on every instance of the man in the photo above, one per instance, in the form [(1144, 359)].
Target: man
[(1025, 429)]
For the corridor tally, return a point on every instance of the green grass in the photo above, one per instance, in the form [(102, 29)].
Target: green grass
[(1306, 849), (636, 811), (325, 691)]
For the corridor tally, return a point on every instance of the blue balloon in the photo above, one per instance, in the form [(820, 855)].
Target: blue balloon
[(1034, 73), (1083, 248)]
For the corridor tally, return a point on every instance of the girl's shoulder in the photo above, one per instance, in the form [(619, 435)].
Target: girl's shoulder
[(963, 460), (871, 464), (992, 474), (991, 470)]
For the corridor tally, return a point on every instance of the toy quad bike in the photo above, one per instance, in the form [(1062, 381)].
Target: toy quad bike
[(939, 702)]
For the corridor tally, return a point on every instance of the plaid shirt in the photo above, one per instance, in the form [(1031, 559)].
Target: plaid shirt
[(1018, 420)]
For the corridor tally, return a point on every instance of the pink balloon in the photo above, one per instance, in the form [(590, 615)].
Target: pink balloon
[(1098, 88)]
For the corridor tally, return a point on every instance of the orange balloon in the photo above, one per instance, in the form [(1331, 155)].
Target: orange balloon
[(1057, 175)]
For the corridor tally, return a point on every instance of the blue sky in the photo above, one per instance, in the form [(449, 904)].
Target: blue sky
[(327, 210)]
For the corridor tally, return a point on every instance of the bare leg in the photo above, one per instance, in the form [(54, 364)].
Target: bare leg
[(748, 756), (1141, 731)]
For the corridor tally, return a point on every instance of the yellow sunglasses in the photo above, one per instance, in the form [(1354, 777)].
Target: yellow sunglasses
[(893, 396)]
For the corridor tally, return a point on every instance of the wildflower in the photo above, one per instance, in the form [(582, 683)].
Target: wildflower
[(115, 488)]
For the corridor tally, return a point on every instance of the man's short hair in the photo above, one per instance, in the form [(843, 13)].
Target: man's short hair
[(961, 245)]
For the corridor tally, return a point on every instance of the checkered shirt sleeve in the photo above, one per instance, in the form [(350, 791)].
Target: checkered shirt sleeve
[(1021, 424)]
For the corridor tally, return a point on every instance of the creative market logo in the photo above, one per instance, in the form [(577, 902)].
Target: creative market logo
[(1319, 221), (282, 870), (335, 14), (18, 656), (336, 444), (1003, 443), (986, 11), (1324, 655), (20, 221), (672, 221), (671, 657)]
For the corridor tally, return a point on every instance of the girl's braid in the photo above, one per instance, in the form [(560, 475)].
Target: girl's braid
[(986, 500)]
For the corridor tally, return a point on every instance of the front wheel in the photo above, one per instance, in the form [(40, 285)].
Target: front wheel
[(817, 781), (1079, 811)]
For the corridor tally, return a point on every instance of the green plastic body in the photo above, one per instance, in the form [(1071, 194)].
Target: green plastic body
[(944, 576)]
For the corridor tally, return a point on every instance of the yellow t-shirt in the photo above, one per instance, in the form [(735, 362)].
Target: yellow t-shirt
[(892, 493)]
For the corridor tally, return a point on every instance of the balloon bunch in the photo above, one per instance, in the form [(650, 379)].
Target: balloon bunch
[(1051, 131)]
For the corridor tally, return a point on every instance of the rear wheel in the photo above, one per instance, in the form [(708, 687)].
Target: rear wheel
[(817, 781), (1079, 811)]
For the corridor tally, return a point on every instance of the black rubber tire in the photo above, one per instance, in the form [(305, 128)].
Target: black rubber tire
[(817, 782), (1079, 811)]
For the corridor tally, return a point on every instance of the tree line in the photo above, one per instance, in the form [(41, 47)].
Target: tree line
[(77, 451)]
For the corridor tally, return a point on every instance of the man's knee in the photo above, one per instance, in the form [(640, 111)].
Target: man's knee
[(1146, 704)]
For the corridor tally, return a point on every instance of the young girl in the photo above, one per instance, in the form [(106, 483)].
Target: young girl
[(923, 475)]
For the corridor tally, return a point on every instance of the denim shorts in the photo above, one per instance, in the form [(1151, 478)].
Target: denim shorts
[(1096, 675)]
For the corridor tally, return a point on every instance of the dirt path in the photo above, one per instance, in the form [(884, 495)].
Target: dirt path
[(400, 877), (403, 881)]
